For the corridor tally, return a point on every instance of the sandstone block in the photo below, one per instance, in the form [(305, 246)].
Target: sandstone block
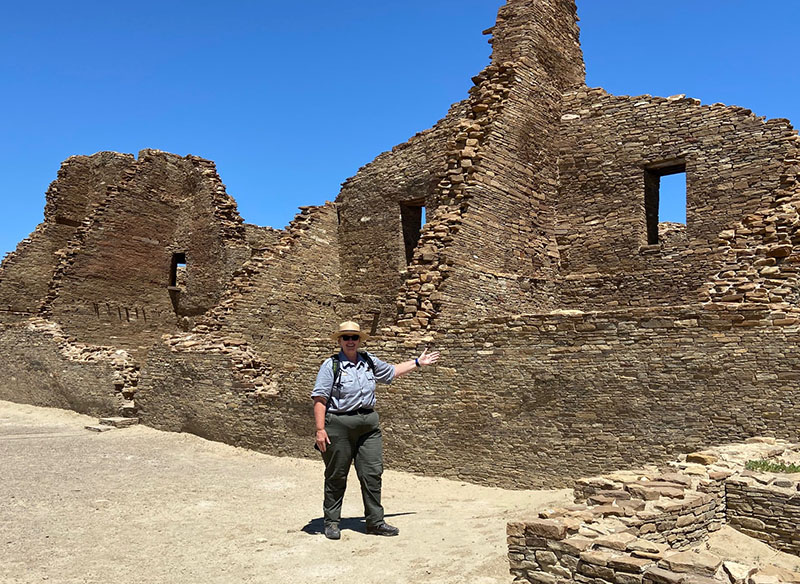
[(776, 574), (99, 428), (702, 564), (616, 541), (119, 422), (749, 523), (626, 578), (546, 558), (738, 573), (630, 564), (596, 558), (705, 458), (541, 577), (572, 545), (547, 528), (660, 576), (595, 571)]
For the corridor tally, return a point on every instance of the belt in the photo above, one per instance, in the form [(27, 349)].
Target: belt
[(363, 411)]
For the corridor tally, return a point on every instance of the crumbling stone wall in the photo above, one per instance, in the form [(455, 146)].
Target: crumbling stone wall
[(644, 526), (515, 398), (501, 177), (42, 367), (733, 160), (81, 185), (760, 261), (191, 387), (287, 290), (114, 276), (371, 239), (570, 344)]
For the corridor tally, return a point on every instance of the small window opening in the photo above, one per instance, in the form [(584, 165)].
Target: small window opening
[(664, 196), (177, 272), (412, 214)]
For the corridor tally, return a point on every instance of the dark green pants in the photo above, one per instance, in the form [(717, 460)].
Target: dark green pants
[(354, 438)]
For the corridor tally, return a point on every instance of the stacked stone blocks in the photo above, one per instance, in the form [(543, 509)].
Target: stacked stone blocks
[(634, 527)]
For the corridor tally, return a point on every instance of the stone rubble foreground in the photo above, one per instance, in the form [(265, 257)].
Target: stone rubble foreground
[(644, 527)]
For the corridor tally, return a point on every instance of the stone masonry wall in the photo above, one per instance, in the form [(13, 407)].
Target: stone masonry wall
[(113, 278), (513, 398), (190, 388), (81, 185), (644, 527), (565, 337), (734, 162), (761, 253), (501, 176), (768, 510), (41, 367), (370, 233), (287, 290)]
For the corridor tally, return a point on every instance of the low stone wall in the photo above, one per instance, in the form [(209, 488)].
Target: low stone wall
[(767, 511), (637, 527), (41, 367), (548, 552), (222, 392)]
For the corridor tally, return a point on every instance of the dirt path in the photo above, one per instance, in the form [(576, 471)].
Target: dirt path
[(139, 505)]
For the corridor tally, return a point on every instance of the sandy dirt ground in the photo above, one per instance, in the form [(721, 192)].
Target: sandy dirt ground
[(142, 506)]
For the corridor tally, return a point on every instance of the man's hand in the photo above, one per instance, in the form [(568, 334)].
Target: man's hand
[(322, 440), (428, 358)]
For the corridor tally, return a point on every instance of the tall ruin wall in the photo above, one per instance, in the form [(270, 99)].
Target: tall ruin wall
[(287, 290), (81, 185), (379, 212), (119, 277), (609, 146), (501, 177)]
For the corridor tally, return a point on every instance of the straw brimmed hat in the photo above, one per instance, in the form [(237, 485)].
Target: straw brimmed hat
[(349, 327)]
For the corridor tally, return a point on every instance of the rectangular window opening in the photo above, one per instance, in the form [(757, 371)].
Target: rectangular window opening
[(177, 272), (412, 215), (664, 196)]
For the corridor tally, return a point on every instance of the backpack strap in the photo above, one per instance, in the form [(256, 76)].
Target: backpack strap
[(337, 369), (368, 359)]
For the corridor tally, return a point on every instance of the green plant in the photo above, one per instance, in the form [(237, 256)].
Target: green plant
[(772, 466)]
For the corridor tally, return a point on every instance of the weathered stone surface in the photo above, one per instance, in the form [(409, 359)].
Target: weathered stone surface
[(547, 528), (660, 576), (616, 541), (630, 564), (701, 458), (612, 552), (738, 573), (690, 562), (778, 574)]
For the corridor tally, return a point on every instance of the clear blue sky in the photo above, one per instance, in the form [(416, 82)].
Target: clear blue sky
[(291, 98)]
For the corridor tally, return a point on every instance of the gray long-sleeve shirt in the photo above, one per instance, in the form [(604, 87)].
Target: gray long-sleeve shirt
[(356, 386)]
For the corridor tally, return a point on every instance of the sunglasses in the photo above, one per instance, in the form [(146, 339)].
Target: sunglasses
[(350, 337)]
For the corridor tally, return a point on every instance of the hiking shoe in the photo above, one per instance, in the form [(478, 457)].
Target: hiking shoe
[(382, 529), (332, 531)]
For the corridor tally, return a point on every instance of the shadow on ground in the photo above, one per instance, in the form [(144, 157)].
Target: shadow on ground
[(317, 526)]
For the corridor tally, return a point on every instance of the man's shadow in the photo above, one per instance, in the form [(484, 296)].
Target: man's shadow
[(358, 524)]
